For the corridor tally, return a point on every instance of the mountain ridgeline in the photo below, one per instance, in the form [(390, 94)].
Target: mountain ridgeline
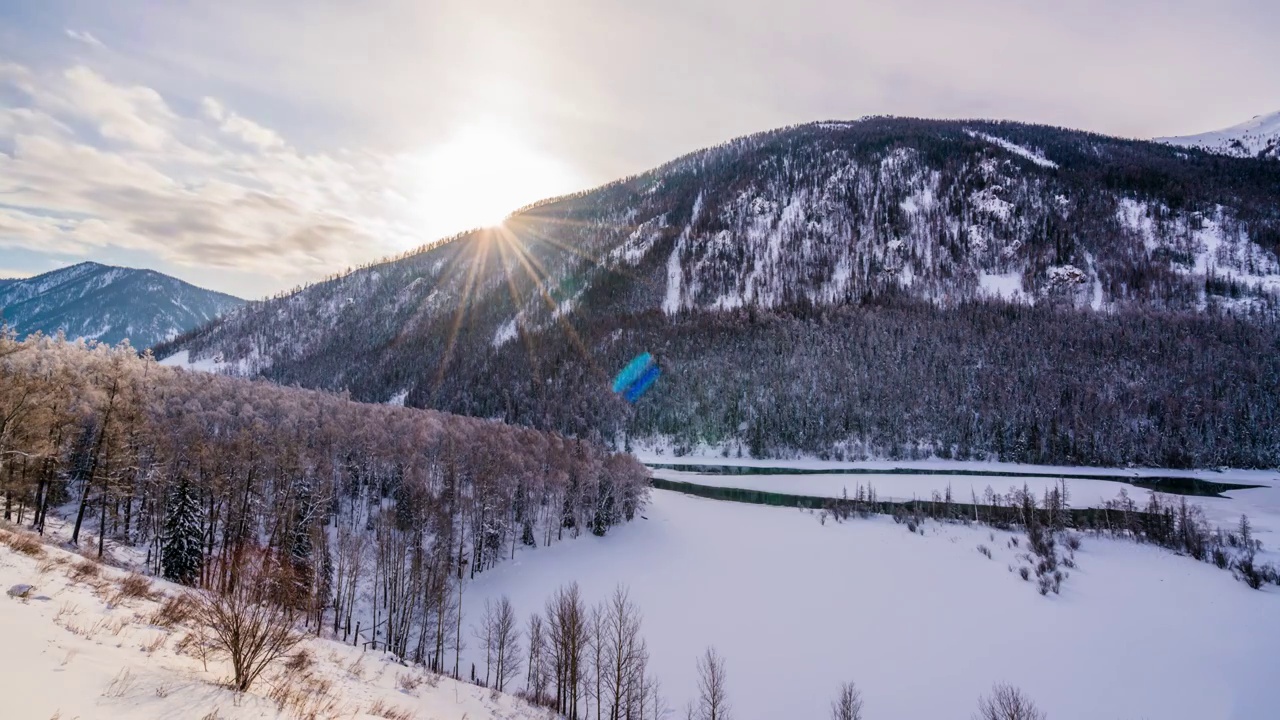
[(888, 287), (109, 304)]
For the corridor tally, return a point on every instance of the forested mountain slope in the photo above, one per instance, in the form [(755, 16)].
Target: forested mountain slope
[(109, 304), (888, 286)]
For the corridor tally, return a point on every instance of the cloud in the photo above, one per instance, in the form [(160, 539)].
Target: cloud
[(240, 127), (85, 37), (98, 165)]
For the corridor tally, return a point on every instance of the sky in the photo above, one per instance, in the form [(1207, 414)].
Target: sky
[(252, 146)]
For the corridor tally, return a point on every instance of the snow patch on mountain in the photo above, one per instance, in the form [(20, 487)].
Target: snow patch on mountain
[(1256, 137), (673, 301), (1007, 286), (506, 333), (640, 241), (1020, 151)]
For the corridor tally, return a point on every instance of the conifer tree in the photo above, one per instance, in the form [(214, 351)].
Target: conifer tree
[(182, 554)]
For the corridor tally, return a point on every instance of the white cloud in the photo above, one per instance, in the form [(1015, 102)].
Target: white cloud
[(214, 190), (251, 132), (213, 109), (240, 127), (132, 114), (85, 37)]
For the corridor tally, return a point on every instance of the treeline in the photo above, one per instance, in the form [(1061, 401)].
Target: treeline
[(904, 379), (358, 510)]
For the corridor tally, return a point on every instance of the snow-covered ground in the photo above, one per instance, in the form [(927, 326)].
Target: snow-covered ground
[(71, 649), (923, 624)]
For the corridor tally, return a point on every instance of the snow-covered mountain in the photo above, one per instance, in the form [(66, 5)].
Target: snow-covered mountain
[(109, 304), (1258, 137), (701, 257)]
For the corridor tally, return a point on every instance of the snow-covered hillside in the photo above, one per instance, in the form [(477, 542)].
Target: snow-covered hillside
[(1256, 137), (75, 646), (109, 304), (924, 624)]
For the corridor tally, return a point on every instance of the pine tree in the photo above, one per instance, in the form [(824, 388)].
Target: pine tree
[(182, 553)]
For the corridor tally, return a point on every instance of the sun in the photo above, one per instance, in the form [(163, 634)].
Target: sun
[(475, 178)]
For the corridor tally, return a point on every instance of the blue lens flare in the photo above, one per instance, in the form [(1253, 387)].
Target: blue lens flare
[(632, 372), (637, 377), (641, 385)]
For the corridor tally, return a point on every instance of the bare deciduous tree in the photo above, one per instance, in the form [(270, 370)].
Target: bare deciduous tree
[(535, 684), (567, 636), (624, 650), (1007, 702), (506, 643), (713, 696), (848, 704)]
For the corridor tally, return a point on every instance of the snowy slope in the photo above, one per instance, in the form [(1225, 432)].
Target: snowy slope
[(1257, 137), (924, 625), (109, 304), (73, 649)]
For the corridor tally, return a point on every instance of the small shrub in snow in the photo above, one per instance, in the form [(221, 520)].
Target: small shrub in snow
[(299, 661), (243, 623), (1024, 572), (409, 682), (121, 684), (985, 551), (1044, 584), (24, 543), (1220, 558), (1249, 572), (154, 643), (1073, 541), (911, 526), (381, 709), (303, 695), (85, 570), (134, 586), (173, 610), (1069, 562), (49, 564)]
